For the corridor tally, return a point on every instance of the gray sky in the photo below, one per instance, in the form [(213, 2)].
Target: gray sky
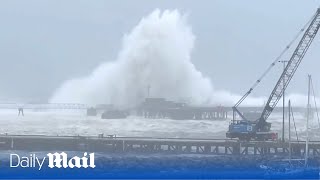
[(45, 42)]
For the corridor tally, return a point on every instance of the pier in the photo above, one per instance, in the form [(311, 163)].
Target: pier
[(112, 144)]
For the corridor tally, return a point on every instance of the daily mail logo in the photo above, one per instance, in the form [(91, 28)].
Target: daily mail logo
[(54, 160)]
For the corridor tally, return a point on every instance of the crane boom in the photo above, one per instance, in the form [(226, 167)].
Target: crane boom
[(290, 69), (260, 129)]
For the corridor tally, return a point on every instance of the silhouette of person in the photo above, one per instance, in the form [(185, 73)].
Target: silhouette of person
[(20, 109)]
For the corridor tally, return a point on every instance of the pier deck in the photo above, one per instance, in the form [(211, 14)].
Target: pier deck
[(154, 145)]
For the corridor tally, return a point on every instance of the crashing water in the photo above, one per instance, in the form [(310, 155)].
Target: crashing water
[(156, 54)]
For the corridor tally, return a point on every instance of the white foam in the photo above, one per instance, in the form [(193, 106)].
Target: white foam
[(157, 52)]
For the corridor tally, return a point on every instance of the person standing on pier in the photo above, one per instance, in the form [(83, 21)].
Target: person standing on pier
[(20, 110)]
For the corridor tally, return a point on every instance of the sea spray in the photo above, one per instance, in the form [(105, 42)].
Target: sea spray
[(155, 54), (155, 57)]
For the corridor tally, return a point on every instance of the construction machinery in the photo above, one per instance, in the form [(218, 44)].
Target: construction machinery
[(259, 129)]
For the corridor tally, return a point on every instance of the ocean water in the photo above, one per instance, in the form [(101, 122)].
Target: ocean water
[(75, 122), (165, 166)]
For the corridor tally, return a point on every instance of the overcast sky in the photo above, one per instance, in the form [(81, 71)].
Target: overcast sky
[(45, 42)]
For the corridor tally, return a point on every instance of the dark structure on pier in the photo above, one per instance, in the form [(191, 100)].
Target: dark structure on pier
[(162, 108), (92, 111), (107, 111), (114, 114)]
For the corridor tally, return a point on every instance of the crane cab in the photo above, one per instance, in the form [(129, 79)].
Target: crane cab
[(247, 130), (241, 126)]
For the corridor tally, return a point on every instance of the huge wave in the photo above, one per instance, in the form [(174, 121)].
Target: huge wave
[(155, 58), (155, 61)]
